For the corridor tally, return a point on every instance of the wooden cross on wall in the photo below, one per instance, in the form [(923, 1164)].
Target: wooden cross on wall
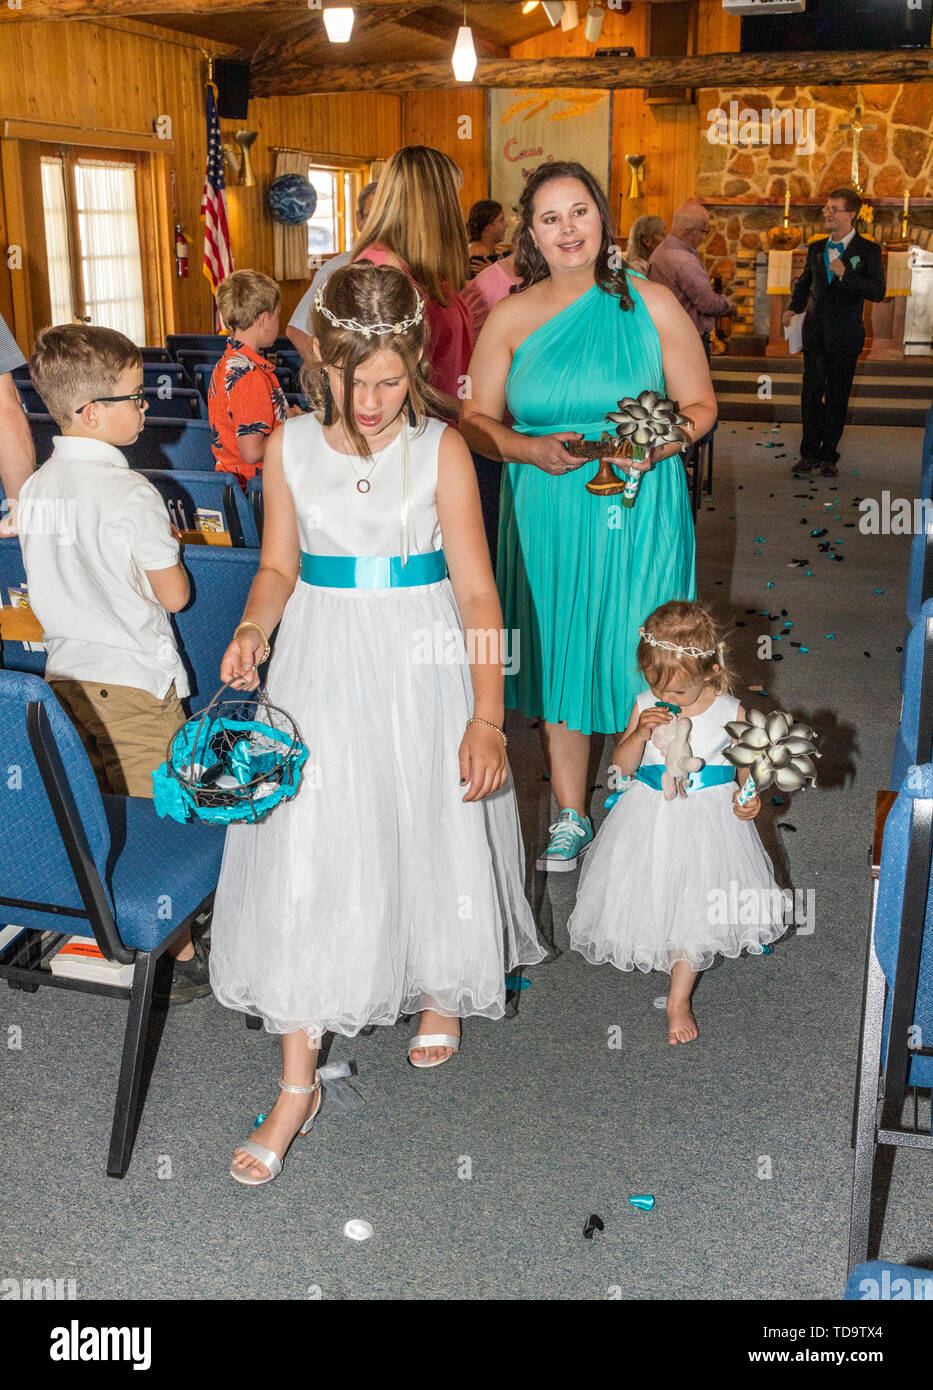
[(856, 128)]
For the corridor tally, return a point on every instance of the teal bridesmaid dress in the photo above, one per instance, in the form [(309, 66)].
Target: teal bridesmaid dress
[(579, 574)]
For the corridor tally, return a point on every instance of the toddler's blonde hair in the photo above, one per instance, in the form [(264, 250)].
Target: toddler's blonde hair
[(686, 625)]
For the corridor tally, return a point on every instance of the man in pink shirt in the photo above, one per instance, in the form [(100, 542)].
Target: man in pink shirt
[(676, 264)]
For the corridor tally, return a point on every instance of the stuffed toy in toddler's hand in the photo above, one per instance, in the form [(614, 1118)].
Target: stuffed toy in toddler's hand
[(673, 740)]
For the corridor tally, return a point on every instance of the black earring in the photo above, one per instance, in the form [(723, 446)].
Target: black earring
[(412, 417), (328, 401)]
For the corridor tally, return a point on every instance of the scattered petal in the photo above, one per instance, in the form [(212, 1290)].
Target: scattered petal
[(592, 1223)]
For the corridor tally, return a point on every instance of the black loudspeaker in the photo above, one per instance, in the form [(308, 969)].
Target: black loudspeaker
[(232, 81)]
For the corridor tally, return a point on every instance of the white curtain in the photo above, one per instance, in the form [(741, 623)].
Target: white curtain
[(108, 229), (290, 244), (56, 240)]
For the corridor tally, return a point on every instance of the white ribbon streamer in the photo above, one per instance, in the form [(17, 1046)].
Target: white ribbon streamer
[(406, 495)]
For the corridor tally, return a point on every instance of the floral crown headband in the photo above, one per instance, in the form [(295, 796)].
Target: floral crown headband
[(368, 329), (675, 647)]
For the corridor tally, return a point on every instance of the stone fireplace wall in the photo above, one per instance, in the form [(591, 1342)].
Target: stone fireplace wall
[(896, 157)]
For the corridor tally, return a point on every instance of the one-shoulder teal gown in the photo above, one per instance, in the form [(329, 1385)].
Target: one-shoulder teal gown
[(579, 574)]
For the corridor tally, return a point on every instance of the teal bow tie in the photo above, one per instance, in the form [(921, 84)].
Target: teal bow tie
[(834, 246)]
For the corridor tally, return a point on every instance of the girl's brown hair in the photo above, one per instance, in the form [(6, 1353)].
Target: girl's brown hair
[(686, 625), (529, 262), (415, 213), (369, 294)]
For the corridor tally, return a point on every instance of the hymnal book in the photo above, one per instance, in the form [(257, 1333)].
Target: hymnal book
[(80, 958)]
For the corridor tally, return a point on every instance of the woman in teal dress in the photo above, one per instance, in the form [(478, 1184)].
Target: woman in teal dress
[(579, 573)]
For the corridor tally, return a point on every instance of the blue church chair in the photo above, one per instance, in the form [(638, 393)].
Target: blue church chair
[(913, 742), (107, 867), (220, 583), (14, 655), (897, 1004), (186, 491)]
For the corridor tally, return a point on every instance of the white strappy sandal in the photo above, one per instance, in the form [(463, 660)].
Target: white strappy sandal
[(268, 1156), (425, 1040)]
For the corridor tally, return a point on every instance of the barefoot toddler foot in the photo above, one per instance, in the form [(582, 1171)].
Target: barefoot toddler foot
[(682, 1026)]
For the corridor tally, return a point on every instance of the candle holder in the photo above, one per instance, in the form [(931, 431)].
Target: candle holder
[(244, 139), (636, 163)]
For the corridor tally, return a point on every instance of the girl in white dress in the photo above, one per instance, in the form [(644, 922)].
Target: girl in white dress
[(394, 881), (669, 883)]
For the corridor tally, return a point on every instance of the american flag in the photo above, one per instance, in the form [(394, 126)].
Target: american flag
[(218, 261)]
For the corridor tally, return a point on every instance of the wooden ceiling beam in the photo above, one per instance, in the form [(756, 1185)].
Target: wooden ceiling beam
[(444, 26), (300, 42), (732, 70), (132, 9)]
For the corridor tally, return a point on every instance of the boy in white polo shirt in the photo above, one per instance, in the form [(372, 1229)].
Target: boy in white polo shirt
[(100, 581)]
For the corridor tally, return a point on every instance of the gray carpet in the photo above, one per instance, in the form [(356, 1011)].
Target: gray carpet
[(556, 1125)]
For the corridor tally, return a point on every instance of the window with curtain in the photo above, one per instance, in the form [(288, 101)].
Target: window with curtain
[(108, 232), (332, 228), (93, 242), (56, 240)]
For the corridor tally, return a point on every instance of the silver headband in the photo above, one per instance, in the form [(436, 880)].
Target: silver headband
[(673, 646), (370, 329)]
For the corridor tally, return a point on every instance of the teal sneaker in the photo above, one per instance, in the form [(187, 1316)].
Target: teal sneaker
[(571, 837)]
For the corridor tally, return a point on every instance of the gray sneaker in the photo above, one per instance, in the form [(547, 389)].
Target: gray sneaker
[(190, 978)]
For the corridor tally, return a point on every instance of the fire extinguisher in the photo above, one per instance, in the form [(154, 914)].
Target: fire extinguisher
[(181, 252)]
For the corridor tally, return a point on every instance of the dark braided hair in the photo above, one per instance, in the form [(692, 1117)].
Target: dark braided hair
[(529, 262)]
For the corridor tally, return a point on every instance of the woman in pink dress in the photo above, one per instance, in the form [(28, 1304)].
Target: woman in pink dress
[(416, 225)]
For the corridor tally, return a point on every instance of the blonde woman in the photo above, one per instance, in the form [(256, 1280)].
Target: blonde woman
[(646, 236), (416, 225)]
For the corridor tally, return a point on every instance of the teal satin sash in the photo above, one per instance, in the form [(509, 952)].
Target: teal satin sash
[(715, 776), (372, 571)]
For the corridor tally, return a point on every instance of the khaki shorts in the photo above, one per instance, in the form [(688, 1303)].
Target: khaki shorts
[(125, 731)]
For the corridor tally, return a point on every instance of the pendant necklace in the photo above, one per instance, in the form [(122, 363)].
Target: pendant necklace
[(363, 484)]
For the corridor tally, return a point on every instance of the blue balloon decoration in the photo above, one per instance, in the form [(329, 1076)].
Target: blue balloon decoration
[(292, 199)]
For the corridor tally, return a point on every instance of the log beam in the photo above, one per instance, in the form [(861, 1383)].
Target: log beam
[(132, 9), (733, 70)]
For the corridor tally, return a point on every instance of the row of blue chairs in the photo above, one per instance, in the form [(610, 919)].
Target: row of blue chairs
[(220, 578), (897, 1004), (192, 371)]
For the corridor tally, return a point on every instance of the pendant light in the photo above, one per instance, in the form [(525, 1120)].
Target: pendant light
[(594, 23), (338, 21), (529, 5), (571, 15), (464, 55), (554, 9)]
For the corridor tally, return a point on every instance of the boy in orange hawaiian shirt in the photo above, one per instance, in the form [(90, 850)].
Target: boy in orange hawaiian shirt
[(245, 401)]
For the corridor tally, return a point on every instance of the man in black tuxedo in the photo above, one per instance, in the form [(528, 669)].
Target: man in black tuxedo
[(840, 274)]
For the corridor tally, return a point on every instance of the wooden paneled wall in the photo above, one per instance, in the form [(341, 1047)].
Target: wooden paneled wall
[(122, 76), (455, 122)]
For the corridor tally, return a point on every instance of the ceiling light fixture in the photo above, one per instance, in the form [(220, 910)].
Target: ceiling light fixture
[(571, 16), (554, 9), (464, 54), (338, 21), (594, 23)]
